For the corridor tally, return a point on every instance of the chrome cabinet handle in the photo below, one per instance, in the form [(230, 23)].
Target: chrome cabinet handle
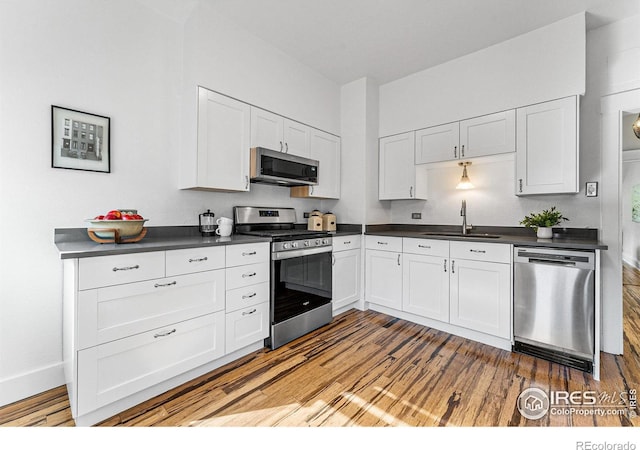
[(424, 246), (520, 183), (246, 275), (383, 243), (115, 269), (347, 242), (248, 253), (281, 146), (445, 265), (455, 151), (246, 313), (286, 146), (399, 255), (477, 251), (462, 151), (411, 191), (249, 295), (167, 333), (198, 259), (453, 266), (311, 191), (157, 285), (333, 260), (246, 181)]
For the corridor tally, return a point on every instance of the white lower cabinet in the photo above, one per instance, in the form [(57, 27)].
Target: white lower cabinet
[(383, 271), (119, 368), (425, 286), (346, 271), (134, 323)]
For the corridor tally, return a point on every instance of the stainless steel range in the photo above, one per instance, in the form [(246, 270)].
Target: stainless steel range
[(300, 271)]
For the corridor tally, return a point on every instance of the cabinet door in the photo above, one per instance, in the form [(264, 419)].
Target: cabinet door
[(246, 326), (488, 135), (267, 130), (547, 148), (325, 148), (223, 142), (397, 176), (481, 296), (346, 278), (297, 138), (384, 278), (439, 143), (425, 286)]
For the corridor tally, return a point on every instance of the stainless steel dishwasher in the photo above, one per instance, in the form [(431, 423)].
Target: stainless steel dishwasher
[(554, 305)]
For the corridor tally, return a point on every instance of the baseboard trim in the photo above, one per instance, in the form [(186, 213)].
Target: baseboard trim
[(27, 384), (631, 261)]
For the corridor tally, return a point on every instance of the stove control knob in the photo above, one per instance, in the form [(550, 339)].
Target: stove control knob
[(318, 242), (294, 244), (285, 245), (307, 243), (325, 241)]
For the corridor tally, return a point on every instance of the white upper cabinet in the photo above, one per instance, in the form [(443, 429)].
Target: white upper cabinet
[(547, 148), (488, 135), (436, 144), (223, 142), (397, 171), (278, 133), (481, 136), (325, 148)]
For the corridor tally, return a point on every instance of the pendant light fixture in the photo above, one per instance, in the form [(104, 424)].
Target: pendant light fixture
[(636, 127), (465, 182)]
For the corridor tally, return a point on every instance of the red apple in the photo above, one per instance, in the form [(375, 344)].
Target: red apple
[(129, 217), (138, 217), (114, 214), (100, 217)]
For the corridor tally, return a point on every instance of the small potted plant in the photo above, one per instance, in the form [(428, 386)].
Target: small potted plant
[(543, 222)]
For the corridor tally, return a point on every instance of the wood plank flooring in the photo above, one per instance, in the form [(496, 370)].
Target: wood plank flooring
[(369, 369)]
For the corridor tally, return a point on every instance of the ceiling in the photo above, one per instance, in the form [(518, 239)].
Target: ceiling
[(388, 39)]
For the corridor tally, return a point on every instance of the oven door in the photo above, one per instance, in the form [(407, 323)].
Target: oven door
[(300, 282)]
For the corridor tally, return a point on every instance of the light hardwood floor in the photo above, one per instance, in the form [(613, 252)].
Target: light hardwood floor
[(369, 369)]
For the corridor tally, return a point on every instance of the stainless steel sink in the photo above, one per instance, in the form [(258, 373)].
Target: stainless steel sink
[(460, 235)]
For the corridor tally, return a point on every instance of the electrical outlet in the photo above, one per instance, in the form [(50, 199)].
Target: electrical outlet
[(306, 215), (416, 215)]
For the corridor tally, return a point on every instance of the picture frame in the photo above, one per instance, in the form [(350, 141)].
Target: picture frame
[(80, 140), (591, 189)]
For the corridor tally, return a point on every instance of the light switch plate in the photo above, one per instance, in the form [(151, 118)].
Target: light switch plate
[(416, 215)]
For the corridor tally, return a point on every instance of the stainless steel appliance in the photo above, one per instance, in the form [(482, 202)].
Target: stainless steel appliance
[(554, 305), (300, 271), (283, 169)]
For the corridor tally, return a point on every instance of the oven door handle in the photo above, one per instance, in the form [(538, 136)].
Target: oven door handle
[(277, 256)]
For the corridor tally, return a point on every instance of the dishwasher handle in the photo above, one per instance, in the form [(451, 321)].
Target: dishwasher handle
[(579, 260)]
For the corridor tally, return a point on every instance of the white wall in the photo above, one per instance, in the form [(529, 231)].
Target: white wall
[(545, 64), (119, 59)]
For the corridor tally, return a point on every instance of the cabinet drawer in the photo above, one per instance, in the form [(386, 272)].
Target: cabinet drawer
[(238, 255), (112, 371), (115, 312), (246, 326), (242, 276), (341, 243), (386, 243), (481, 251), (117, 269), (190, 260), (433, 247), (247, 296)]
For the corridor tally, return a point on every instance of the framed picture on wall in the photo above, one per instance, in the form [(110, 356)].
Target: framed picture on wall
[(80, 140)]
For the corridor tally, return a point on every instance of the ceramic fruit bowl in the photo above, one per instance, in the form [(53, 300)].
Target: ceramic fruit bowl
[(126, 228)]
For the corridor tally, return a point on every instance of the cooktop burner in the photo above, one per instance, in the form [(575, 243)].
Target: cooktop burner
[(284, 234), (276, 223)]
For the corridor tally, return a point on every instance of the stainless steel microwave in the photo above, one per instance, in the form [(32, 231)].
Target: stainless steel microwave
[(283, 169)]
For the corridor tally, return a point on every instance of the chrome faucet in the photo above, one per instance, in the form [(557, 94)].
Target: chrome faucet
[(463, 213)]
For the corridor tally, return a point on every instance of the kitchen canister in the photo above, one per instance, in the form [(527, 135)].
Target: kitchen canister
[(329, 222), (315, 221)]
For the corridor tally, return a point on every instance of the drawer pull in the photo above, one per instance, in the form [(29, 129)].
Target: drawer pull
[(453, 267), (399, 256), (115, 269), (445, 265), (424, 246), (164, 334), (249, 253), (173, 283), (198, 259), (250, 295), (383, 243), (347, 242), (477, 251), (246, 313), (246, 275)]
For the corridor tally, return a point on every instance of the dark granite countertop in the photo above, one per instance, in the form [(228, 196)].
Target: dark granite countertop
[(570, 238), (75, 243)]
